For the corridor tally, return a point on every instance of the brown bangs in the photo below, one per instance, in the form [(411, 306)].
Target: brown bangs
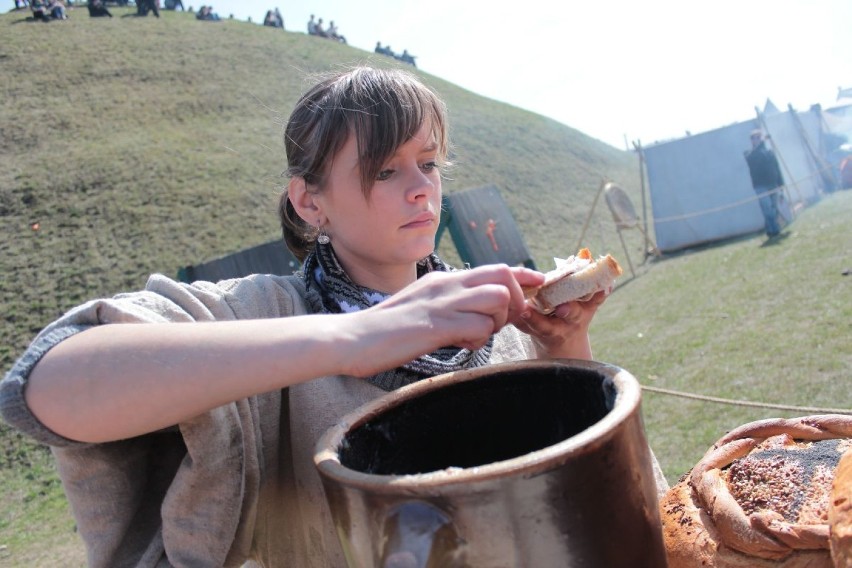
[(382, 108), (394, 109)]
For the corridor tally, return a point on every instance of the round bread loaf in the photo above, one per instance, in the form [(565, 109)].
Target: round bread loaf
[(759, 498), (840, 513)]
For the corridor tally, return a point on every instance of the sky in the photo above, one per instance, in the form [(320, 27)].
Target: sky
[(616, 70)]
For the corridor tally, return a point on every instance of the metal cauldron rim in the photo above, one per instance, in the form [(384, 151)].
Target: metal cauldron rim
[(327, 459)]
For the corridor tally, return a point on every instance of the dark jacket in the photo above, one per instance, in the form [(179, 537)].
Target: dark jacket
[(763, 167)]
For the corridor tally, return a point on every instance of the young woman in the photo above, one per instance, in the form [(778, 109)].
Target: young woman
[(192, 444)]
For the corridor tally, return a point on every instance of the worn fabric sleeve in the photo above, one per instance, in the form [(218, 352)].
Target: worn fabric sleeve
[(184, 496)]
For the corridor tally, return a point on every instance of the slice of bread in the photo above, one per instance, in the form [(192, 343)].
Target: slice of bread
[(577, 278)]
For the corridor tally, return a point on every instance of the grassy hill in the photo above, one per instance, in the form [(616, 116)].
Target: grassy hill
[(140, 145)]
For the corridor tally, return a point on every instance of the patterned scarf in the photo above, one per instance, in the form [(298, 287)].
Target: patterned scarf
[(330, 291)]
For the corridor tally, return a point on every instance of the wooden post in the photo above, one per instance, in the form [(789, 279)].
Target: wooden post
[(787, 173), (638, 146), (826, 172), (589, 215), (626, 252)]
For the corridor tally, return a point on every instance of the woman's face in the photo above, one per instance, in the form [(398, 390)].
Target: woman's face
[(380, 236)]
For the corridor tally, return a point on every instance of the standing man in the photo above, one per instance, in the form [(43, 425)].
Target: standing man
[(765, 179)]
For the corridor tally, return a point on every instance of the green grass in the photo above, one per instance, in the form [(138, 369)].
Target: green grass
[(36, 528), (738, 320), (141, 145)]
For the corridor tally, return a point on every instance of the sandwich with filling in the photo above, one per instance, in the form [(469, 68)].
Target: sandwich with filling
[(579, 277)]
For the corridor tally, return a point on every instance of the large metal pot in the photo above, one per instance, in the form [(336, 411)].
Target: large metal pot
[(524, 464)]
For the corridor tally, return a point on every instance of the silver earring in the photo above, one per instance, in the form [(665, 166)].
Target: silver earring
[(323, 237)]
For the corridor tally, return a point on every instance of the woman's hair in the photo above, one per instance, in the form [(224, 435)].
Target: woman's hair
[(382, 108)]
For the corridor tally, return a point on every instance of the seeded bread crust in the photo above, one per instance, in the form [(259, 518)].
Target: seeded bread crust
[(692, 540), (840, 513), (712, 517)]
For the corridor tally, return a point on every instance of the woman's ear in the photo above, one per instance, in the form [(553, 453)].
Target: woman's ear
[(304, 202)]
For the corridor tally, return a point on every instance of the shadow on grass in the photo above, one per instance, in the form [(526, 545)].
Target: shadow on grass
[(651, 259), (776, 240), (31, 19), (704, 247)]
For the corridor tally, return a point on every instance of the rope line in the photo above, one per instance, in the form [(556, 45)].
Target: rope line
[(755, 197), (779, 189), (705, 398)]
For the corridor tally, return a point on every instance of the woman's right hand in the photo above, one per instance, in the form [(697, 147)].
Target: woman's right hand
[(462, 308)]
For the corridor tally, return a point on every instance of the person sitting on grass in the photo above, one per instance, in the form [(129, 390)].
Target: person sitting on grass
[(97, 9), (319, 29), (273, 19), (407, 58), (207, 13), (39, 10), (57, 10), (145, 6), (332, 33)]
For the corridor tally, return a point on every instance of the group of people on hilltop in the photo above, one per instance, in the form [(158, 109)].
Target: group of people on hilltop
[(405, 57), (48, 10), (316, 28), (273, 19), (55, 9)]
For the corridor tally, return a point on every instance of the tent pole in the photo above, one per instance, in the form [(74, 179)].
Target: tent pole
[(589, 215), (824, 169), (638, 146), (626, 253), (763, 125)]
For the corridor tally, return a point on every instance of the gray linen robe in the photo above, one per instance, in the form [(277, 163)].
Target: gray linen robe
[(225, 486)]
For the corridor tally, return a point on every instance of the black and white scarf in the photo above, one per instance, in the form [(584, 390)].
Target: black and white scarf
[(330, 291)]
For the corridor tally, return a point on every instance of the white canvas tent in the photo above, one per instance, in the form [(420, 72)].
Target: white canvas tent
[(700, 188), (838, 120)]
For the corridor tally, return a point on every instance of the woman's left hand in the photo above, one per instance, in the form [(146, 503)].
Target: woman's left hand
[(565, 332)]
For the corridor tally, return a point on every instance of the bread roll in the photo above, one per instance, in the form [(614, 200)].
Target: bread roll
[(759, 497)]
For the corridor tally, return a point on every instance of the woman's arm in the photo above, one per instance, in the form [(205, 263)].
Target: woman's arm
[(121, 380), (117, 381)]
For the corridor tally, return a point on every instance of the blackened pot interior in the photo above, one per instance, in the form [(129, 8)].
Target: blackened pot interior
[(480, 421)]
